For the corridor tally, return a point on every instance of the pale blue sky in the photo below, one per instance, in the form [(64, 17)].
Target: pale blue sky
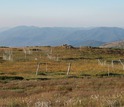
[(62, 13)]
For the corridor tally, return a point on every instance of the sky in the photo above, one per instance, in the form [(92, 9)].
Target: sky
[(62, 13)]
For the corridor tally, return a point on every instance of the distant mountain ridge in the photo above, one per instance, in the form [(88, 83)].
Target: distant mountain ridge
[(36, 36), (4, 29)]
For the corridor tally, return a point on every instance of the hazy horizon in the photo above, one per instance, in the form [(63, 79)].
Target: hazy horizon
[(64, 13), (90, 27)]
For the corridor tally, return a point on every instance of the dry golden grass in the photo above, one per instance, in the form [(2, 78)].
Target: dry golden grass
[(88, 84), (87, 92)]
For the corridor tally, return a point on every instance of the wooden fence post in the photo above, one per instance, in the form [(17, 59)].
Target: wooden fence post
[(112, 63), (69, 67), (108, 70), (122, 64), (99, 62), (46, 67), (38, 66)]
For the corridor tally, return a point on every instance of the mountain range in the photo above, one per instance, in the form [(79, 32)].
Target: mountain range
[(54, 36)]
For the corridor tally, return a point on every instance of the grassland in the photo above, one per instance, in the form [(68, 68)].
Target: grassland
[(37, 77)]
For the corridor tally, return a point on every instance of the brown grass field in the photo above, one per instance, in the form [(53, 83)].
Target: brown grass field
[(37, 77)]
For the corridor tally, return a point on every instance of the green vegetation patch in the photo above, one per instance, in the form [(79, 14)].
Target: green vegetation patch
[(11, 78), (1, 73), (110, 74), (51, 73), (85, 75), (38, 79)]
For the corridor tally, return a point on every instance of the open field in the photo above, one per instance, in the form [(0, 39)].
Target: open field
[(61, 77)]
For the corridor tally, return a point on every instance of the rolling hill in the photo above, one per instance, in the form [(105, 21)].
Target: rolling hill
[(116, 44), (30, 36)]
